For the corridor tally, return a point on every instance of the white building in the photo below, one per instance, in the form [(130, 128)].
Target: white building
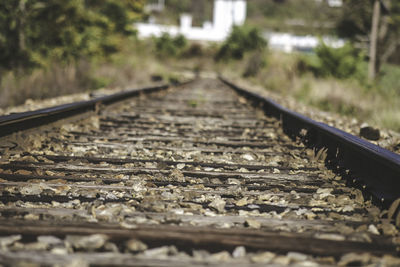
[(332, 3), (226, 14), (288, 43), (335, 3)]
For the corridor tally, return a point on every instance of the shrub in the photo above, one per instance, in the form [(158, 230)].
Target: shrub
[(170, 46), (240, 41), (341, 63), (194, 50), (255, 63)]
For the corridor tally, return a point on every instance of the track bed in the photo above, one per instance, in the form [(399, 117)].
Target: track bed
[(191, 176)]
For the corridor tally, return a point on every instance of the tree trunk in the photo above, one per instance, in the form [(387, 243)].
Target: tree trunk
[(374, 41), (21, 36)]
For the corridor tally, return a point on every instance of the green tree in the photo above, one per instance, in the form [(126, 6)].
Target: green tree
[(34, 31), (356, 21)]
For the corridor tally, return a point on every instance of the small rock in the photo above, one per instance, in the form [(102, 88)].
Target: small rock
[(49, 240), (79, 262), (233, 181), (9, 240), (34, 189), (348, 208), (128, 225), (59, 251), (265, 257), (218, 204), (239, 252), (388, 229), (161, 251), (200, 254), (372, 229), (222, 256), (177, 175), (91, 242), (389, 260), (111, 247), (324, 192), (36, 246), (253, 206), (135, 245), (359, 198), (252, 224), (354, 259), (242, 202), (328, 236), (216, 181), (247, 157), (370, 133), (32, 217), (296, 256), (344, 229), (156, 252), (282, 260), (180, 166)]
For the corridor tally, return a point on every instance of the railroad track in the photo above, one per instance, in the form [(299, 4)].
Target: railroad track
[(190, 175)]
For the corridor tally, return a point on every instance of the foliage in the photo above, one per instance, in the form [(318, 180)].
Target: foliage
[(167, 45), (254, 64), (356, 26), (295, 16), (353, 24), (201, 11), (240, 41), (388, 82), (341, 63), (33, 32)]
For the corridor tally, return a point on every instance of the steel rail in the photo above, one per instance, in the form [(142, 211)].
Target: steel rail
[(375, 169), (25, 120)]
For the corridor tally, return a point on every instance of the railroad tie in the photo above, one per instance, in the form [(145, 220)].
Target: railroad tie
[(190, 175)]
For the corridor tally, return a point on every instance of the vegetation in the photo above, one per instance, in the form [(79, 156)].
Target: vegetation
[(240, 41), (168, 46), (57, 38), (34, 32), (201, 11), (58, 47), (356, 26), (296, 16), (342, 63), (377, 104)]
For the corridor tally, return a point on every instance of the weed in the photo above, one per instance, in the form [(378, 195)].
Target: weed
[(255, 63), (240, 41), (342, 63), (167, 46)]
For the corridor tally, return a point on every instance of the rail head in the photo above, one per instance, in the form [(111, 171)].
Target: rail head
[(26, 120), (375, 169)]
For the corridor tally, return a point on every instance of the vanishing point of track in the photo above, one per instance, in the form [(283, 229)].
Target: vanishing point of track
[(192, 175)]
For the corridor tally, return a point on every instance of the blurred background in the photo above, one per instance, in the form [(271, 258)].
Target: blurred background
[(337, 55)]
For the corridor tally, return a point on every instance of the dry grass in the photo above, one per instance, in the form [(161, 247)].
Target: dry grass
[(132, 67), (135, 65), (56, 80), (346, 97)]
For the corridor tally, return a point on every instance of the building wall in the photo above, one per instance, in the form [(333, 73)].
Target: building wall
[(226, 14)]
